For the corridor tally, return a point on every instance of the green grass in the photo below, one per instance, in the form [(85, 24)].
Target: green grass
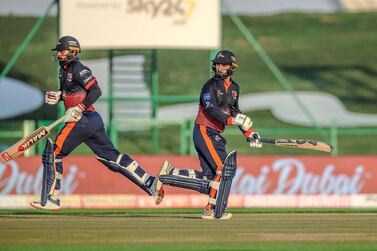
[(290, 246), (212, 247), (182, 229), (163, 211), (316, 52)]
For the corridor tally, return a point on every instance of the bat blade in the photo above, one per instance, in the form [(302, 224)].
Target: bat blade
[(27, 142), (24, 144), (300, 144)]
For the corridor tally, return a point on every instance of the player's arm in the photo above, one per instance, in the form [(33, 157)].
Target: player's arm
[(52, 97), (238, 118), (246, 127), (89, 82)]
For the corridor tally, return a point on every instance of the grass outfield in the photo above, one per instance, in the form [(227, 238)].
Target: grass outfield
[(182, 229)]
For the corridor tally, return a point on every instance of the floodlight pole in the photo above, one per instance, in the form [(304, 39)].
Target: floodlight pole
[(155, 95), (110, 128), (61, 109)]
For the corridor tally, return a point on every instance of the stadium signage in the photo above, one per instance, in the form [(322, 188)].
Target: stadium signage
[(272, 175), (294, 178), (17, 180)]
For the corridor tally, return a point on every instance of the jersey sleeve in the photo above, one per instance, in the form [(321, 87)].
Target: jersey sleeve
[(210, 105), (235, 109), (93, 94), (85, 77)]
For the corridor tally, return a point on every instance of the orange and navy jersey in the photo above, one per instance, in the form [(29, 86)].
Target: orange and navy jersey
[(75, 81), (218, 103)]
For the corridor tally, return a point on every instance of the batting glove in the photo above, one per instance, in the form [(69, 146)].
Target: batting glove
[(243, 121), (253, 139), (74, 114), (52, 98)]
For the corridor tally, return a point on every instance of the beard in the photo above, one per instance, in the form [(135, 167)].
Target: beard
[(222, 75)]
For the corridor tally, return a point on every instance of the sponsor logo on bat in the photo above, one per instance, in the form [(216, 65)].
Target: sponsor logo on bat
[(6, 156), (303, 141), (34, 138), (295, 143)]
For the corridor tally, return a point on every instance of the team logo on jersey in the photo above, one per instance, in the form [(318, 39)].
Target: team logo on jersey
[(234, 94), (85, 73), (219, 93), (207, 104), (206, 96), (69, 77)]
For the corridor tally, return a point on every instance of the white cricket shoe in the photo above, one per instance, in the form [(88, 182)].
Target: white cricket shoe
[(210, 215), (51, 204)]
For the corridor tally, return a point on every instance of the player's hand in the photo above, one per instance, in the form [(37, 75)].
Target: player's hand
[(253, 139), (73, 114), (52, 98), (243, 121)]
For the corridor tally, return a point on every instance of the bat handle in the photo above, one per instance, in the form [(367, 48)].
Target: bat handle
[(267, 140), (56, 123)]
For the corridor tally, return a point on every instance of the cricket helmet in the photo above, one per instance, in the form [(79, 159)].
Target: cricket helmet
[(68, 43), (227, 58)]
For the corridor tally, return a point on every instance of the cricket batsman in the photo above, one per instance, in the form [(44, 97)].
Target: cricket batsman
[(218, 107), (79, 90)]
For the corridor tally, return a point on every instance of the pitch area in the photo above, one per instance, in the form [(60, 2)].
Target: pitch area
[(182, 229)]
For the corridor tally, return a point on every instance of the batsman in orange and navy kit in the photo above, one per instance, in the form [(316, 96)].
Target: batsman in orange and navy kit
[(218, 107), (79, 90)]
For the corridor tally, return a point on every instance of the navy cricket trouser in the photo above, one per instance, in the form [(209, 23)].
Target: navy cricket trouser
[(89, 130), (210, 146)]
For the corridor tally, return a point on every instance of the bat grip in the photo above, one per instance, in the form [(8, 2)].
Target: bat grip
[(55, 123), (267, 140)]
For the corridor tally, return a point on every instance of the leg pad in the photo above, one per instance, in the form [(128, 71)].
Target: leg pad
[(200, 185), (50, 175), (132, 171), (227, 174)]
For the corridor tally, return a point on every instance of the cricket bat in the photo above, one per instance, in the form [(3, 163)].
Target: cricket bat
[(27, 142), (300, 144)]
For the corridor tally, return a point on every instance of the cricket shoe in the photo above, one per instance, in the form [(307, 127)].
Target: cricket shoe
[(51, 204), (157, 191), (165, 169), (210, 215)]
